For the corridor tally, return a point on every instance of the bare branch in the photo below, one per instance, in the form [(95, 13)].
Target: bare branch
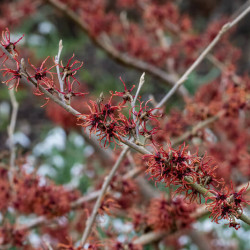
[(150, 237), (185, 76), (105, 186), (141, 82)]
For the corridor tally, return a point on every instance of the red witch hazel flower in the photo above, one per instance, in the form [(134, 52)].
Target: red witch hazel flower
[(148, 135), (157, 160), (69, 72), (234, 224), (145, 113), (160, 214), (237, 198), (110, 133), (69, 92), (206, 167), (41, 75), (8, 45), (126, 94), (159, 166), (224, 211), (181, 158), (92, 120), (16, 76), (128, 125), (227, 205), (108, 110), (218, 199), (108, 205)]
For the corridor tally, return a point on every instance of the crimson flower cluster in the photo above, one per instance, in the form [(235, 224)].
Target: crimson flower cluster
[(180, 168), (10, 235), (164, 214), (41, 75), (107, 121), (8, 45), (227, 204), (48, 200)]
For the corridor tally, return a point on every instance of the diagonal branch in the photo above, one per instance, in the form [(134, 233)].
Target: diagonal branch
[(205, 52), (196, 128), (104, 188)]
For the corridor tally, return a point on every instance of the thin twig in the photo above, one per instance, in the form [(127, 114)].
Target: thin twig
[(11, 128), (48, 245), (141, 82), (105, 186), (86, 198), (57, 61), (150, 237)]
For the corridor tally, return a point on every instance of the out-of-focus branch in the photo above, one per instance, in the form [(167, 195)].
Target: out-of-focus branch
[(196, 128), (147, 191), (222, 67), (207, 50), (104, 43), (106, 155), (156, 236), (150, 237), (85, 198), (199, 239), (11, 128)]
